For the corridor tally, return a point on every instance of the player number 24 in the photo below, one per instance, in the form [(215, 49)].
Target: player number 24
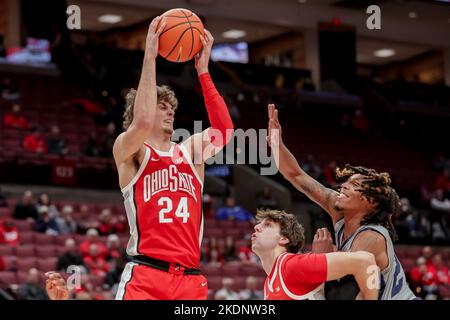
[(167, 204)]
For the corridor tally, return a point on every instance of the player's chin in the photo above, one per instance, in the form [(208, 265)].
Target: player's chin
[(168, 130)]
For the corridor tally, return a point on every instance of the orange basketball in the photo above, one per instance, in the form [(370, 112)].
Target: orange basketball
[(180, 39)]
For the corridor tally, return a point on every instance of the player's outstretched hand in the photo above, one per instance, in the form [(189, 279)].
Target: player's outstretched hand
[(274, 127), (152, 42), (323, 241), (56, 286), (202, 58)]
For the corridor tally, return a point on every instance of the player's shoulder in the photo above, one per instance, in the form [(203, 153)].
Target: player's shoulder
[(369, 240), (303, 258)]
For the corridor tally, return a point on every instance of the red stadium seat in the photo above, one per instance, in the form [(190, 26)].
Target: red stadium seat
[(25, 251), (214, 283), (46, 251), (5, 212), (408, 264), (239, 283), (7, 278), (210, 270), (210, 223), (10, 263), (213, 232), (226, 224), (231, 270), (6, 250), (234, 233), (252, 270), (23, 225), (44, 239), (47, 264), (444, 292), (26, 237), (25, 264), (97, 281)]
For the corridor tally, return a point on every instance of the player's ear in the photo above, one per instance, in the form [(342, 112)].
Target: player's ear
[(283, 241)]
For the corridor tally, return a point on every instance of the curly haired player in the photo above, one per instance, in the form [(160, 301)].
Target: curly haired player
[(361, 211)]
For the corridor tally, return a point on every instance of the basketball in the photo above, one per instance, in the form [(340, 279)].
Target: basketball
[(180, 39)]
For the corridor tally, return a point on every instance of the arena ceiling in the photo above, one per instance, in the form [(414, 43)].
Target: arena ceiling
[(264, 19)]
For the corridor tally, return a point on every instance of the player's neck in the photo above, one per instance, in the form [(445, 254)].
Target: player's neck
[(268, 259), (351, 224), (160, 142)]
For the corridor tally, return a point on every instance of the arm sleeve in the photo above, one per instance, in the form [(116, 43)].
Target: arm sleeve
[(306, 268), (218, 114)]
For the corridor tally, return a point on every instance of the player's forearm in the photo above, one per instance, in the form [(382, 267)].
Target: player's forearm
[(287, 164), (146, 96), (217, 110), (367, 275)]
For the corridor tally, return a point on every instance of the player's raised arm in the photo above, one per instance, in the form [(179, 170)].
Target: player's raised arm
[(361, 265), (214, 138), (145, 101), (291, 170)]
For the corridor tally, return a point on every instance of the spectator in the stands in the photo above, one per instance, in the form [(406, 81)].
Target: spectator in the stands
[(114, 274), (329, 174), (441, 162), (208, 210), (26, 209), (226, 292), (86, 220), (246, 255), (92, 237), (46, 224), (427, 254), (443, 181), (115, 251), (420, 277), (91, 146), (44, 200), (56, 144), (107, 140), (265, 200), (441, 270), (410, 224), (8, 91), (213, 253), (34, 142), (66, 223), (105, 226), (15, 119), (229, 250), (120, 223), (71, 257), (96, 264), (251, 291), (9, 234), (359, 121), (32, 288), (231, 211), (440, 209), (311, 167)]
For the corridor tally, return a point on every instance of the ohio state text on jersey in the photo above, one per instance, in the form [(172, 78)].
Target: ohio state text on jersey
[(164, 207)]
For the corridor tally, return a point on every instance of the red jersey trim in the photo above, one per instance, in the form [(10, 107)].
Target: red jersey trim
[(138, 174)]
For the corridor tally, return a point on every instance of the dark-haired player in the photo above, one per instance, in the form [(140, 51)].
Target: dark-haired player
[(361, 211)]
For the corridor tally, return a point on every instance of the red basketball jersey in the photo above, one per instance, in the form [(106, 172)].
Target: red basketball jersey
[(164, 207), (297, 277)]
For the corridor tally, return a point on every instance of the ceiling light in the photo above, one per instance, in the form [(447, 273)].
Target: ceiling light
[(301, 1), (412, 14), (384, 53), (234, 34), (110, 18)]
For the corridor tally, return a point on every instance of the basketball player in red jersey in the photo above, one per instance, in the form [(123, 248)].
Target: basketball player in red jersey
[(290, 276), (162, 182)]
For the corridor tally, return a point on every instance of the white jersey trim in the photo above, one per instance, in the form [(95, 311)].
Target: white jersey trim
[(141, 169), (164, 153), (126, 277), (309, 295), (187, 155)]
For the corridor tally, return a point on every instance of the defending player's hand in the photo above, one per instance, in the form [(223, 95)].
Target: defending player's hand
[(56, 286), (152, 42), (202, 58), (274, 127), (323, 242)]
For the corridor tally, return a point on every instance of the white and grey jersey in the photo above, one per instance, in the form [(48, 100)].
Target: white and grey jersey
[(393, 280)]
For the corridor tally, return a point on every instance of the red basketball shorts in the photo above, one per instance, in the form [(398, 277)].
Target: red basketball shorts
[(140, 282)]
